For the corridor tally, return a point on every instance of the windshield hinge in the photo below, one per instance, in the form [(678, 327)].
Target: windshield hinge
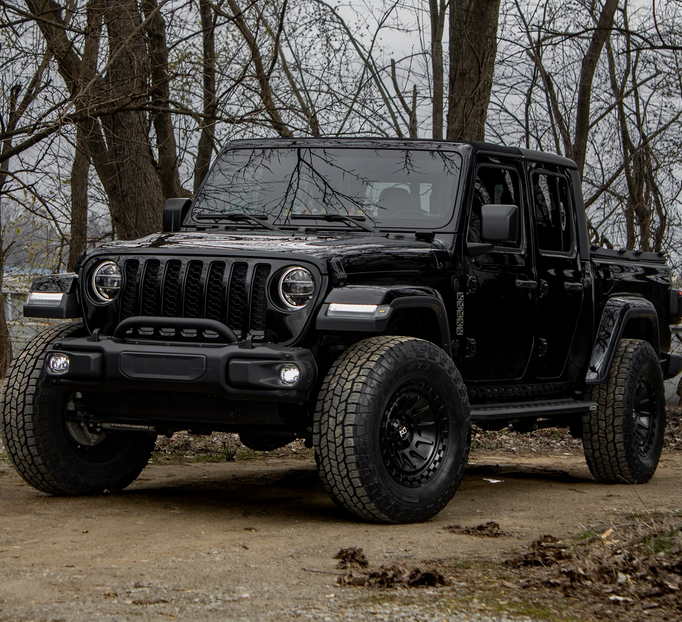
[(424, 236), (337, 272)]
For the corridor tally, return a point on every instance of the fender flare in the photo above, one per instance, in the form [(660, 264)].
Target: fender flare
[(390, 299), (62, 288), (618, 311)]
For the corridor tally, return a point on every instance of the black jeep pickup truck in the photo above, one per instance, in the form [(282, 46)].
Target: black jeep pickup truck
[(372, 297)]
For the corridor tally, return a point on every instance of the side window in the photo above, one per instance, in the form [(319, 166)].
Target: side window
[(553, 216), (494, 185)]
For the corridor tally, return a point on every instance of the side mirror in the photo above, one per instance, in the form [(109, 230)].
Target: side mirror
[(500, 223), (174, 212)]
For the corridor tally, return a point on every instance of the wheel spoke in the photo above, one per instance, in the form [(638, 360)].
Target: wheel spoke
[(404, 457), (415, 454), (641, 393), (417, 412), (411, 434), (642, 429), (641, 435), (641, 404)]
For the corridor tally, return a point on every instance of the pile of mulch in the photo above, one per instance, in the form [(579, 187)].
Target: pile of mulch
[(507, 440), (215, 447), (394, 575), (491, 529), (184, 444), (359, 574), (558, 440), (617, 573), (352, 557)]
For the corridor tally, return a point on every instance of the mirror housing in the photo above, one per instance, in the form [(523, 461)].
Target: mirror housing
[(174, 212), (500, 223)]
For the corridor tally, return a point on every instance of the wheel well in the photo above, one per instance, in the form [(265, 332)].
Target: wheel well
[(417, 322), (640, 328)]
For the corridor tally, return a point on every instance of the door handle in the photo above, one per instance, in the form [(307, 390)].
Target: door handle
[(573, 287), (521, 284)]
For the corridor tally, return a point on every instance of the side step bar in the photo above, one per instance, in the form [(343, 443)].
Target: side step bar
[(516, 410)]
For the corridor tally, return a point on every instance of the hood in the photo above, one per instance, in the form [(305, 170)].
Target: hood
[(356, 253)]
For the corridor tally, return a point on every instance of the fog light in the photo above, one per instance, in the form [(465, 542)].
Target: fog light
[(58, 364), (289, 374)]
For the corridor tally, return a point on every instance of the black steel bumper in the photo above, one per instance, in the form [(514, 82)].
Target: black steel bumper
[(233, 371)]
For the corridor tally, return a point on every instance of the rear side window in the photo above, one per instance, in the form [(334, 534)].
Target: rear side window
[(553, 214), (495, 185)]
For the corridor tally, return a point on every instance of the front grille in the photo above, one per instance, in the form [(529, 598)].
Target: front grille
[(236, 308), (231, 292)]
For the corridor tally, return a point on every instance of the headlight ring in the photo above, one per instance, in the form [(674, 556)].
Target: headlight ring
[(106, 282), (296, 287)]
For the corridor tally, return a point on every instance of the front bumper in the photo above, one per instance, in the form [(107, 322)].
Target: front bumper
[(232, 371)]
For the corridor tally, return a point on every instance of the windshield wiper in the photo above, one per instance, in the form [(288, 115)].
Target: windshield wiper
[(354, 220), (256, 219)]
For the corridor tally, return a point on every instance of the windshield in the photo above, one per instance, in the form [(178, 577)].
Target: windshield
[(385, 188)]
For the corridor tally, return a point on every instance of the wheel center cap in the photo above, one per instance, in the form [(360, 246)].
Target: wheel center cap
[(403, 432)]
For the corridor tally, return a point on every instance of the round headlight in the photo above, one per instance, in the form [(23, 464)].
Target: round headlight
[(106, 281), (296, 287)]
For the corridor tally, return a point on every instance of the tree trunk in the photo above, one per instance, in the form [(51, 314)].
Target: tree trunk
[(160, 93), (5, 342), (473, 46), (137, 195), (262, 73), (79, 200), (207, 139), (589, 66), (119, 146), (437, 14)]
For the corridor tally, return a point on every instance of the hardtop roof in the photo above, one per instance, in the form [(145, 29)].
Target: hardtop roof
[(405, 143)]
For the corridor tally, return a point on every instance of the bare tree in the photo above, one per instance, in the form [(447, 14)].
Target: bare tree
[(18, 104), (437, 16), (210, 101), (473, 46), (159, 95), (616, 113)]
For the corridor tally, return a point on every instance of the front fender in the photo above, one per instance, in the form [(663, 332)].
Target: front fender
[(54, 296), (369, 308), (618, 311)]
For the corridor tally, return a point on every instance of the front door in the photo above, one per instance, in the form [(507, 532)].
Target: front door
[(560, 288), (495, 339)]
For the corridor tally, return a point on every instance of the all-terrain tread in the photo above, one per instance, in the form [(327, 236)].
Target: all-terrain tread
[(342, 402), (607, 438), (24, 417), (18, 403)]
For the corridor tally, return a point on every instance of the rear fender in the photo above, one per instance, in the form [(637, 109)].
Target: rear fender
[(620, 312)]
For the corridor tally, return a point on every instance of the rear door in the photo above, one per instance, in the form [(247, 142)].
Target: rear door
[(560, 278)]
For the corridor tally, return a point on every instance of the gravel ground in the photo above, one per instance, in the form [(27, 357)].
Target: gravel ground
[(213, 531)]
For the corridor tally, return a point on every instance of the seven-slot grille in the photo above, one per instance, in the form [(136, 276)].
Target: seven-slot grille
[(231, 292)]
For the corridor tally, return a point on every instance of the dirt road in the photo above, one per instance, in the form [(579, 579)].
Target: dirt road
[(255, 540)]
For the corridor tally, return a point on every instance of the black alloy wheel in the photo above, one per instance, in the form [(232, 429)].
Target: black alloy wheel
[(623, 438), (644, 412), (414, 434), (391, 430)]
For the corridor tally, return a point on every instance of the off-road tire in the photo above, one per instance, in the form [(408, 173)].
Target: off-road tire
[(619, 448), (375, 389), (36, 438)]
